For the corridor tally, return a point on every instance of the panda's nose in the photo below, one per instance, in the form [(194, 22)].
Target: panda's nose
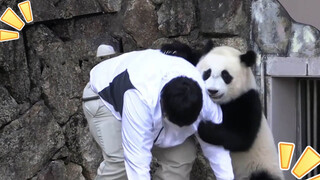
[(213, 91)]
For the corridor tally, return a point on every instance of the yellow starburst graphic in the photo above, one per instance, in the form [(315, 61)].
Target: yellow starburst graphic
[(10, 18), (309, 160)]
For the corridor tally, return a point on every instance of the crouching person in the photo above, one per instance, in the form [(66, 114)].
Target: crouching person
[(146, 103)]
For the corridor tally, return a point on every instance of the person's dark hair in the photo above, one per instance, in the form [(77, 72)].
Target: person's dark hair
[(181, 100)]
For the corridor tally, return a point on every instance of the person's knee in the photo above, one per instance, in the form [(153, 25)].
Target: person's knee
[(112, 168), (115, 159)]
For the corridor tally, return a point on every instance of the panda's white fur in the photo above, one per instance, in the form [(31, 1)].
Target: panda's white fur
[(244, 131), (262, 155)]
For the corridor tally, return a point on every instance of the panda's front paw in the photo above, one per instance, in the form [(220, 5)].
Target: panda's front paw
[(169, 49), (210, 132), (170, 52)]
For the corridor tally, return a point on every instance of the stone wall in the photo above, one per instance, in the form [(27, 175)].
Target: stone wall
[(274, 32), (43, 132)]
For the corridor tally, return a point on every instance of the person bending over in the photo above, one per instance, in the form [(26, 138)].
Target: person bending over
[(145, 103)]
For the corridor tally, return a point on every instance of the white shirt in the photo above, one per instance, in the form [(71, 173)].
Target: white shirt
[(142, 123)]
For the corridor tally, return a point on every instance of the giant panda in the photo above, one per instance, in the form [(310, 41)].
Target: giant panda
[(245, 132)]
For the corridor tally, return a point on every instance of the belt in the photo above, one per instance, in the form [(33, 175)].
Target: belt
[(85, 99)]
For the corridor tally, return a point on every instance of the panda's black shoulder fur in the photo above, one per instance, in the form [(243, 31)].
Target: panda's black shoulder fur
[(183, 50), (243, 115), (263, 175), (241, 122)]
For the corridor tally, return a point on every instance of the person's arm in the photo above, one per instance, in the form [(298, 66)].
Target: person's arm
[(137, 137), (219, 158)]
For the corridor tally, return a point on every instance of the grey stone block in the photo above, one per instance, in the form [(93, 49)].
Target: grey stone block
[(28, 143), (286, 67), (271, 27)]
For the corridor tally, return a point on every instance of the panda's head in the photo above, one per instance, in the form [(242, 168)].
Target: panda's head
[(227, 73)]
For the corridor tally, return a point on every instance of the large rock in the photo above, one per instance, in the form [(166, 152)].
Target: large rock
[(235, 42), (176, 17), (141, 22), (90, 31), (28, 143), (201, 168), (4, 4), (35, 70), (110, 5), (58, 170), (128, 43), (62, 60), (224, 17), (157, 1), (84, 150), (8, 106), (14, 73), (62, 9), (14, 64), (271, 26), (60, 80), (305, 41)]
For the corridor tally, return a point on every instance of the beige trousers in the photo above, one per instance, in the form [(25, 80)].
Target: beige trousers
[(175, 162)]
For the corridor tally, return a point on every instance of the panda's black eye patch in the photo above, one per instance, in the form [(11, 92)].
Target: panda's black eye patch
[(227, 78), (206, 74)]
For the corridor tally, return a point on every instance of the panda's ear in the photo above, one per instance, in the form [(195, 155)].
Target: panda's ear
[(249, 58), (208, 47)]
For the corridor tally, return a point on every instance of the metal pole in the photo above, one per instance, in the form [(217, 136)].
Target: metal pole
[(315, 122)]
